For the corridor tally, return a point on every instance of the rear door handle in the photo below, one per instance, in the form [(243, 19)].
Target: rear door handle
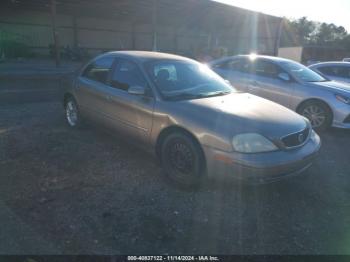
[(253, 85)]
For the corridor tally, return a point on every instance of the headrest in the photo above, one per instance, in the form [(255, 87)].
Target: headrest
[(163, 74)]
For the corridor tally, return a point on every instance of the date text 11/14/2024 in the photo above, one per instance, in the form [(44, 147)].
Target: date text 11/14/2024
[(173, 258)]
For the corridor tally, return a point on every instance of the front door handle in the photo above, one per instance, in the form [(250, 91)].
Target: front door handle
[(109, 98)]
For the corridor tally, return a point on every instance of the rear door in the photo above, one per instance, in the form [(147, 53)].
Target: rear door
[(92, 86), (130, 114), (236, 71)]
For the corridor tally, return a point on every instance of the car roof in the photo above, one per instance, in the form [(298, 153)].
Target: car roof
[(271, 58), (143, 56), (331, 63)]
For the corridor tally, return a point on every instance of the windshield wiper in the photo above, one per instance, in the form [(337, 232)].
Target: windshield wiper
[(196, 96), (184, 96), (218, 93), (317, 81)]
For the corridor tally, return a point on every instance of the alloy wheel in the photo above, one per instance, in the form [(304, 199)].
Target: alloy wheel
[(180, 158), (71, 113), (315, 114)]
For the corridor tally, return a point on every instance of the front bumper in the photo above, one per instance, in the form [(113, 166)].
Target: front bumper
[(341, 114), (261, 167)]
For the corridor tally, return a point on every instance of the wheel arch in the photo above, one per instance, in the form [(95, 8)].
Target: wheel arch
[(66, 96), (318, 100), (172, 129)]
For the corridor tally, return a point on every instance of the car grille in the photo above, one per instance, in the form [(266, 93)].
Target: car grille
[(296, 139)]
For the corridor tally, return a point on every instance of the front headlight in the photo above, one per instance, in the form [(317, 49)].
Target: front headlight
[(313, 134), (343, 99), (252, 143)]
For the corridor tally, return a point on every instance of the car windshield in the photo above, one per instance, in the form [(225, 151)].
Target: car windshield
[(182, 80), (302, 73)]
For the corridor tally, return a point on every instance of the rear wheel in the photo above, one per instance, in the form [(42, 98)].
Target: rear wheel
[(73, 117), (182, 160), (318, 113)]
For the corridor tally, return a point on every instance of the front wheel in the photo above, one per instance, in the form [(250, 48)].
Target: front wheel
[(318, 113), (182, 160)]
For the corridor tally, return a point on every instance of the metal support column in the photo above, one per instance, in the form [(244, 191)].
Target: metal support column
[(154, 25), (278, 36), (75, 32), (55, 33)]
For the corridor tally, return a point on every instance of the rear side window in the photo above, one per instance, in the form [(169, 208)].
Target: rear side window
[(127, 74), (99, 69), (237, 65), (337, 71)]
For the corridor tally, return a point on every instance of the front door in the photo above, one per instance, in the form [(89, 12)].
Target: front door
[(130, 114), (264, 82)]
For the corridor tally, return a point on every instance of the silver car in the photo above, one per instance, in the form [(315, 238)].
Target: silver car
[(189, 117), (338, 71), (291, 84)]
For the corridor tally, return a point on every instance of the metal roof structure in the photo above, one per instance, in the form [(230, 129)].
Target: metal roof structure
[(193, 13), (205, 17)]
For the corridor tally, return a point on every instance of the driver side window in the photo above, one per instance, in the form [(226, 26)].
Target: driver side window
[(337, 71), (266, 69), (127, 74), (171, 71)]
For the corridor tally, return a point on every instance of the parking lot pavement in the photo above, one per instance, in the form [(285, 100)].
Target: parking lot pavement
[(24, 81), (85, 192), (16, 235)]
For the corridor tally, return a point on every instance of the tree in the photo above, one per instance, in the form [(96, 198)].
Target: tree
[(297, 32), (329, 34), (345, 42), (304, 29), (305, 32)]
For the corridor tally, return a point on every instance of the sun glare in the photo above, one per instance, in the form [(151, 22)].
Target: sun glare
[(252, 56), (292, 9)]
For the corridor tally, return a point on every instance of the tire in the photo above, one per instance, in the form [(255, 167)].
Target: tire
[(318, 113), (182, 160), (72, 115)]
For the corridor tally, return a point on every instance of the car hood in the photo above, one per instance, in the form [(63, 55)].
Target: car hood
[(332, 86), (245, 113)]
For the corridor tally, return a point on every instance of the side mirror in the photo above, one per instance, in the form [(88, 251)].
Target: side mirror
[(137, 90), (284, 77), (227, 82)]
